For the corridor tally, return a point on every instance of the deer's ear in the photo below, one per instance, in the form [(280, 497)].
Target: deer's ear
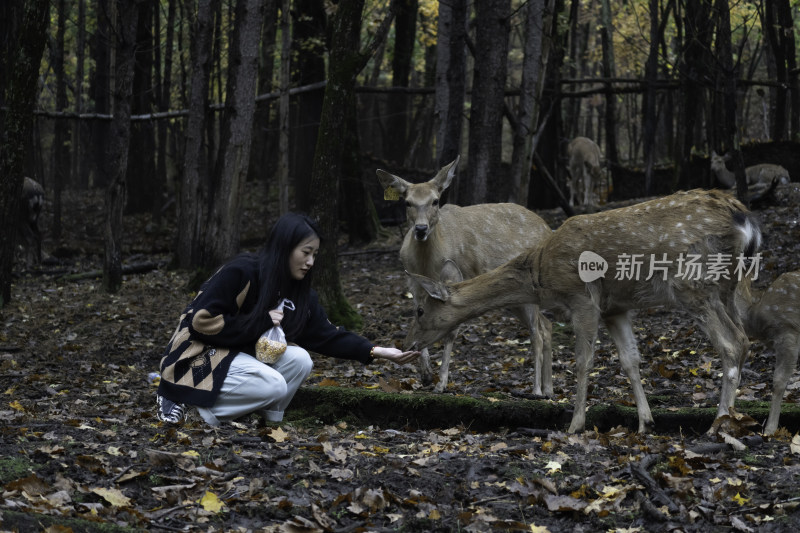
[(435, 289), (446, 175), (390, 181), (450, 272)]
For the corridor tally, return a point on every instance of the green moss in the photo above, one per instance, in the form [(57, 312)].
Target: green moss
[(13, 468), (429, 410), (17, 521)]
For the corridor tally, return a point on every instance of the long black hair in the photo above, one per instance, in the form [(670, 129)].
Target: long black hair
[(275, 279)]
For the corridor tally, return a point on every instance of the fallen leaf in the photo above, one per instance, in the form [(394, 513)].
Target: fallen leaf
[(795, 444), (211, 503), (278, 434), (112, 496)]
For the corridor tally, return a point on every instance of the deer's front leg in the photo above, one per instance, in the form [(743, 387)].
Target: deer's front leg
[(584, 323), (424, 366), (444, 370)]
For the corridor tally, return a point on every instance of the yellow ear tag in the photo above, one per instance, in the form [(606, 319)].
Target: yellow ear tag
[(390, 193)]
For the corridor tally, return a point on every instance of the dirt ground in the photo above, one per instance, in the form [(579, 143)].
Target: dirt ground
[(83, 451)]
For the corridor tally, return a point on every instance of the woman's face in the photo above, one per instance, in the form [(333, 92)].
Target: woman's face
[(302, 257)]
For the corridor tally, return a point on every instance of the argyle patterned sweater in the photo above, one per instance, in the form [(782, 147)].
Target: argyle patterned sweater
[(209, 335)]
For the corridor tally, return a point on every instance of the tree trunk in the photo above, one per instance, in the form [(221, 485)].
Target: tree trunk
[(116, 161), (777, 57), (194, 191), (262, 159), (727, 78), (100, 89), (143, 187), (694, 63), (78, 167), (230, 173), (488, 94), (21, 55), (793, 72), (61, 162), (405, 24), (612, 156), (345, 62), (538, 16), (163, 87), (310, 31), (649, 100), (283, 111), (451, 71)]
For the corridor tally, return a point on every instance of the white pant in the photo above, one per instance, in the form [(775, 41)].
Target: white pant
[(254, 387)]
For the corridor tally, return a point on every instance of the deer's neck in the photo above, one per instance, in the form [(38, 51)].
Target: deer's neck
[(509, 285)]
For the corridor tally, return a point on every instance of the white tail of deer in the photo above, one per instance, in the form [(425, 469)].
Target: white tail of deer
[(682, 250), (584, 170), (773, 316), (759, 177), (453, 242)]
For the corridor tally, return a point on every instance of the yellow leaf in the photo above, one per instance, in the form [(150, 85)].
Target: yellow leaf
[(539, 529), (741, 500), (112, 496), (190, 453), (553, 467), (16, 405), (794, 446), (211, 503), (278, 434), (434, 515)]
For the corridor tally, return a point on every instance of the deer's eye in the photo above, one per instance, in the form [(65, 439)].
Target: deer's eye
[(435, 203), (408, 204), (420, 312)]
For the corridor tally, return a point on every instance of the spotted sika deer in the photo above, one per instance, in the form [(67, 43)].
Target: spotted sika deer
[(759, 177), (584, 170), (452, 243), (773, 316), (685, 250)]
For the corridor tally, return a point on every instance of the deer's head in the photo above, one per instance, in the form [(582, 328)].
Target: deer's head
[(433, 317), (422, 199)]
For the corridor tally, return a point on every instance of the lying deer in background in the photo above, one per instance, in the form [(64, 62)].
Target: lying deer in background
[(759, 177), (475, 238), (584, 170), (676, 234), (773, 316)]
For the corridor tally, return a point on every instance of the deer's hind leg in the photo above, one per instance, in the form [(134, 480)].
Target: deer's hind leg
[(787, 349), (621, 331), (731, 343), (541, 351)]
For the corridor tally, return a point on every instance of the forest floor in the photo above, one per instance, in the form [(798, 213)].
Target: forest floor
[(83, 451)]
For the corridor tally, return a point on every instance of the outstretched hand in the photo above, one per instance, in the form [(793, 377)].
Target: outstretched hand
[(394, 355)]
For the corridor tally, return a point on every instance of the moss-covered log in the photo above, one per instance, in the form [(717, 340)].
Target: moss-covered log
[(426, 410)]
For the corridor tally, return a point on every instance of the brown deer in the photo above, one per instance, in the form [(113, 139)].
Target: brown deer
[(759, 177), (773, 316), (584, 170), (29, 237), (452, 242), (695, 244)]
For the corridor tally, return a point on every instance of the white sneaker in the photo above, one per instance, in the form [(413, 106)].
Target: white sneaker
[(169, 411)]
